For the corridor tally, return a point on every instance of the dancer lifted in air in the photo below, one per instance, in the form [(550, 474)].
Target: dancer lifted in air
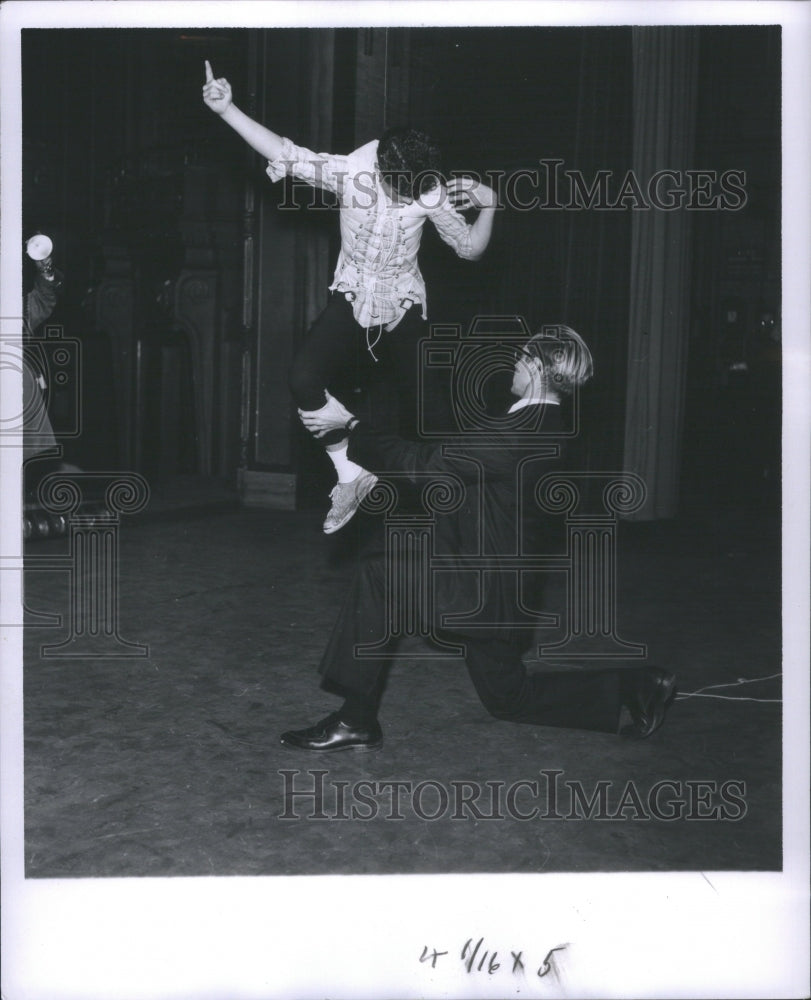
[(386, 190)]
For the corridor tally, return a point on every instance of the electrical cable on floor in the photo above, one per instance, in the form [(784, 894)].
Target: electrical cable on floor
[(726, 697)]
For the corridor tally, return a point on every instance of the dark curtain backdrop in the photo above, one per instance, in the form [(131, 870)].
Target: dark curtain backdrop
[(534, 95), (595, 291), (665, 62), (731, 448)]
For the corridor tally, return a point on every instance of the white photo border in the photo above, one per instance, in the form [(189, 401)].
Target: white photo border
[(711, 934)]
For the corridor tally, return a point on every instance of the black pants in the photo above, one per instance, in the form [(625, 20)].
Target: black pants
[(337, 349), (573, 699)]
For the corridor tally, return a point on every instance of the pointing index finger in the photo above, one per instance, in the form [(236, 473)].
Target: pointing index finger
[(209, 74)]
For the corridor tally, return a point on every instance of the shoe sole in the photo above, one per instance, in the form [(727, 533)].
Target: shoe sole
[(358, 747), (337, 527)]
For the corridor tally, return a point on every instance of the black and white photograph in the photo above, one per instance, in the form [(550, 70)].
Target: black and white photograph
[(404, 551)]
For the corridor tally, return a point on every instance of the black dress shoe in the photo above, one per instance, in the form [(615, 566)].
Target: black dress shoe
[(647, 701), (332, 733)]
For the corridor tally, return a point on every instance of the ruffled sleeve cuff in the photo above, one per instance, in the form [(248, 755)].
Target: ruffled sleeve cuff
[(278, 167)]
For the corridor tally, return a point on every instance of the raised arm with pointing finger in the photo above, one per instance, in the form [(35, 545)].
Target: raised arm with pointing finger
[(217, 96)]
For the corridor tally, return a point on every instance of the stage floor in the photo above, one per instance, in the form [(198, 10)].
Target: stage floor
[(169, 764)]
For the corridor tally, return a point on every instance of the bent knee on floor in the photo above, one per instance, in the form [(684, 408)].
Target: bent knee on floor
[(504, 711)]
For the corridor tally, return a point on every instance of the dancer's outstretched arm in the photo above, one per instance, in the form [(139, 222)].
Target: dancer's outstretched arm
[(217, 96)]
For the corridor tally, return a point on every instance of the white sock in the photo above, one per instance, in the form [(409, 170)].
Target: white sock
[(347, 471)]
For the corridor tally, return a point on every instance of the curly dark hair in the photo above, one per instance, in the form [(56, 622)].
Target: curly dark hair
[(409, 161)]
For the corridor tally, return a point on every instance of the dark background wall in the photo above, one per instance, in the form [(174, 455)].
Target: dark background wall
[(734, 380), (189, 287)]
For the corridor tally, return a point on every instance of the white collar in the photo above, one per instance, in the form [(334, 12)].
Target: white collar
[(519, 404)]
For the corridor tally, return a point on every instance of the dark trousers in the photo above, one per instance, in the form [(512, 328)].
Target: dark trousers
[(573, 698), (338, 350)]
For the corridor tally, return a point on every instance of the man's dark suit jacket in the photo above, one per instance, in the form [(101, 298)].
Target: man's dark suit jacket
[(499, 516)]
